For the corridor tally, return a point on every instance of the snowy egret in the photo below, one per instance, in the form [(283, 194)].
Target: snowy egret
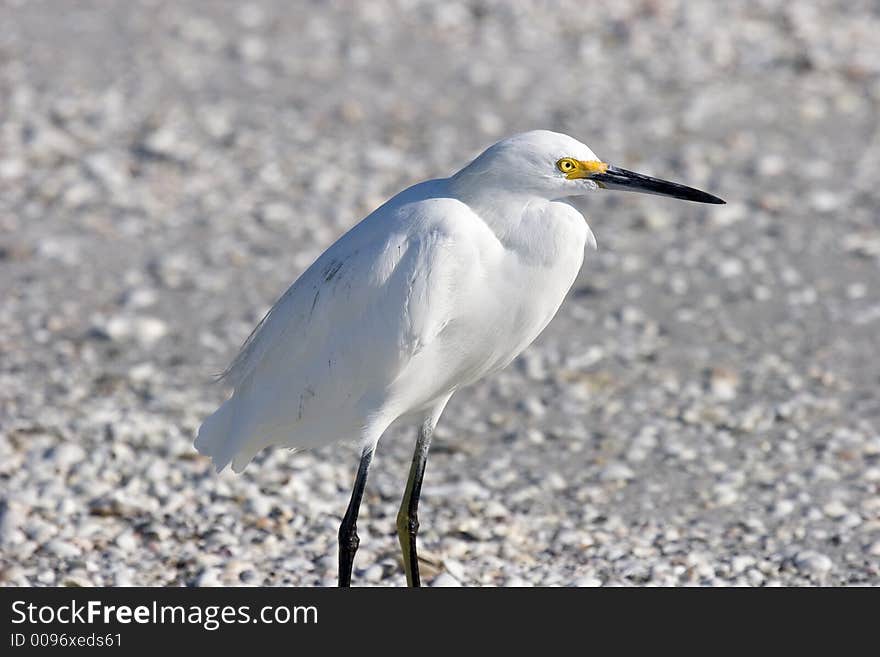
[(442, 285)]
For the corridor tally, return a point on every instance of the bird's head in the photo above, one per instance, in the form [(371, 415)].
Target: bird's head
[(552, 165)]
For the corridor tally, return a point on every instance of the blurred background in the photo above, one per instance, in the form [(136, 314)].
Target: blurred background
[(703, 410)]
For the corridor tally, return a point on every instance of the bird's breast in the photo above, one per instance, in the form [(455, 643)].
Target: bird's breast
[(521, 276), (519, 297)]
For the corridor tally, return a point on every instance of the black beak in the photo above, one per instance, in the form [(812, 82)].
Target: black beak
[(630, 181)]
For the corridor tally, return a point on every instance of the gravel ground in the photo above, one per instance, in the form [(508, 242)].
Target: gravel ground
[(703, 410)]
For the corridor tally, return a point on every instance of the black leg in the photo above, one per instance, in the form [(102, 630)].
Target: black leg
[(348, 538), (407, 517)]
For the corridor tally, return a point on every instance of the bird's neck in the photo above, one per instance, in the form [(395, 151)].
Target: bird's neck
[(500, 209)]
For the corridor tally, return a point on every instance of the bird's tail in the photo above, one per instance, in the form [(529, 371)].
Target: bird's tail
[(217, 436)]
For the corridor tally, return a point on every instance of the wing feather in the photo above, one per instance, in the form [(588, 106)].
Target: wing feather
[(319, 365)]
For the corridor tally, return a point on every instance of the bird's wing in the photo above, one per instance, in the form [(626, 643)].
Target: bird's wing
[(372, 300), (322, 363)]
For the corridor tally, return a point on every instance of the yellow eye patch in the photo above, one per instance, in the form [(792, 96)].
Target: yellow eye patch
[(573, 168)]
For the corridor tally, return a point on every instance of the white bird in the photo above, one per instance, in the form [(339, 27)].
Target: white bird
[(442, 285)]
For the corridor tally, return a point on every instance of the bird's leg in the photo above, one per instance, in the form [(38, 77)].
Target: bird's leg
[(348, 538), (407, 517)]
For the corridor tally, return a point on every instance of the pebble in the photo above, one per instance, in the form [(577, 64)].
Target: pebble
[(209, 577), (730, 268), (835, 509), (813, 563), (445, 580), (68, 454), (373, 573), (724, 384), (63, 549), (145, 330), (455, 568), (616, 472), (46, 577), (588, 582), (783, 508), (127, 541), (755, 577)]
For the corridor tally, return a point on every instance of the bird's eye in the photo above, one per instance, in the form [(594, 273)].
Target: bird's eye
[(566, 165)]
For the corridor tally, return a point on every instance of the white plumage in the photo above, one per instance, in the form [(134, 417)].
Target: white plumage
[(447, 282)]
